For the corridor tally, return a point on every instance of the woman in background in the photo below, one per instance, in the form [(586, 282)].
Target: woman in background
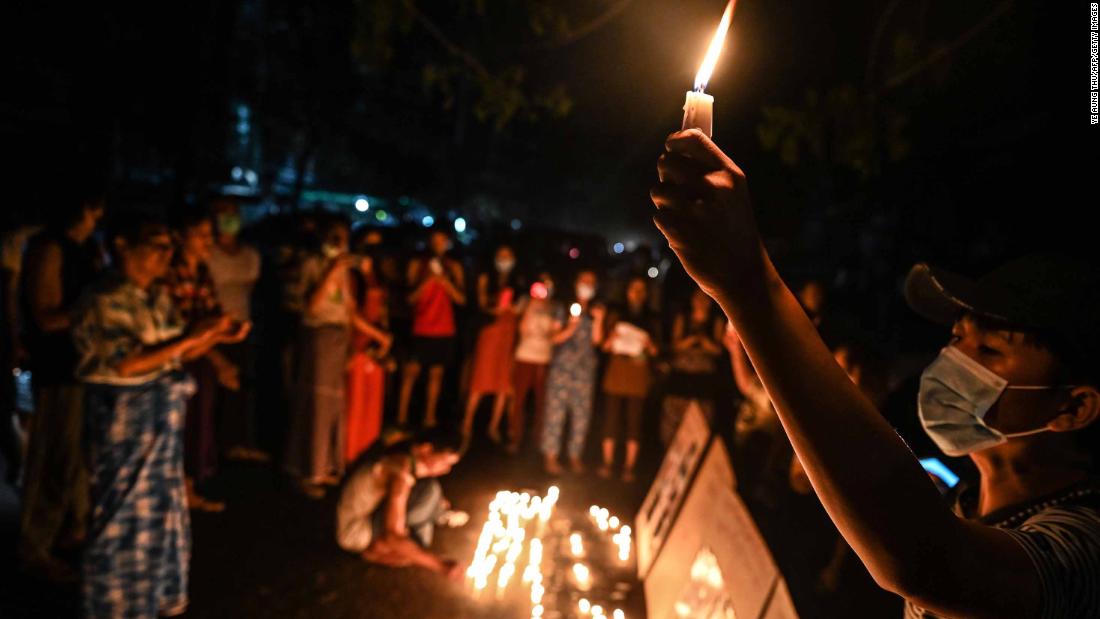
[(492, 368), (366, 377), (571, 381), (696, 347), (632, 343), (532, 358)]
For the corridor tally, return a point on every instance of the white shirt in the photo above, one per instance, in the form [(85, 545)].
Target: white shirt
[(235, 276)]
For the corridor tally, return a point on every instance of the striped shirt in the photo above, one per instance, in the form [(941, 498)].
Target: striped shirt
[(1061, 536)]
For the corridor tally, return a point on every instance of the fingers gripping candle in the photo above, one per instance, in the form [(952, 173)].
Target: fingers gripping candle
[(699, 106)]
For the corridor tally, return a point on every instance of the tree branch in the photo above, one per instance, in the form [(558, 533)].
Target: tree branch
[(452, 48), (584, 30), (942, 53)]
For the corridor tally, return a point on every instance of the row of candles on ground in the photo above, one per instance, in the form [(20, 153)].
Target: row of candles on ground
[(504, 537), (606, 522)]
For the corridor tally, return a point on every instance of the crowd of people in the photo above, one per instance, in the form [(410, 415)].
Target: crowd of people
[(160, 349), (147, 340)]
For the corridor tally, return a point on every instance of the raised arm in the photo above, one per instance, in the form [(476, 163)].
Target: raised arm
[(867, 478)]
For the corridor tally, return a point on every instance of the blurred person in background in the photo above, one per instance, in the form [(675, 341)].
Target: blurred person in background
[(632, 336), (497, 301), (192, 288), (438, 284), (235, 269), (366, 374), (317, 442), (532, 359), (696, 348), (60, 262), (131, 341), (571, 380)]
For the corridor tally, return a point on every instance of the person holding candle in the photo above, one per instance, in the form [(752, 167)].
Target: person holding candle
[(391, 501), (532, 358), (438, 284), (193, 289), (330, 317), (366, 369), (632, 339), (131, 340), (571, 381), (696, 348), (1015, 388), (492, 362)]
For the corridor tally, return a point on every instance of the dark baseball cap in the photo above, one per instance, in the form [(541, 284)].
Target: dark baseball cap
[(1053, 294)]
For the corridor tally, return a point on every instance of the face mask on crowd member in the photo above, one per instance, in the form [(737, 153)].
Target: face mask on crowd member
[(505, 261), (585, 291), (956, 393), (335, 243), (229, 224)]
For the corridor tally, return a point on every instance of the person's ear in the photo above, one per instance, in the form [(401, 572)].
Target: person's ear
[(1080, 410)]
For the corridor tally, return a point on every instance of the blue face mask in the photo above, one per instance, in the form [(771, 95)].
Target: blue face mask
[(956, 392)]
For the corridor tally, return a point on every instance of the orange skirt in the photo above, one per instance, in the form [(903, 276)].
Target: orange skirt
[(365, 392)]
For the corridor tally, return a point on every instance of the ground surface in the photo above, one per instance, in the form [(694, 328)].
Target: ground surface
[(272, 554)]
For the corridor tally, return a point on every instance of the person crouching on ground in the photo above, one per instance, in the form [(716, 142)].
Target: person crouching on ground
[(391, 501)]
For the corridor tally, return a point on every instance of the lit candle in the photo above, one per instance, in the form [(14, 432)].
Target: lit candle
[(614, 522), (699, 106), (585, 606), (582, 574), (575, 310), (618, 614)]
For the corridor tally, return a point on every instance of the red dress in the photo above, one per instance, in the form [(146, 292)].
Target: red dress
[(366, 383), (493, 354)]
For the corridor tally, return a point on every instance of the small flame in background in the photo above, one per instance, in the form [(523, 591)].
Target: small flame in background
[(715, 49)]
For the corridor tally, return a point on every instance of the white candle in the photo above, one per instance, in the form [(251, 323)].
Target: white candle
[(575, 310), (698, 105), (699, 112)]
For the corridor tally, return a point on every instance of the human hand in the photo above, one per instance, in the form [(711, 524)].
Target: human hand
[(385, 343), (211, 328), (453, 570), (235, 332), (228, 375), (703, 210), (598, 312)]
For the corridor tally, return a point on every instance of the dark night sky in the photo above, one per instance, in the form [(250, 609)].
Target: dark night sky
[(1010, 104)]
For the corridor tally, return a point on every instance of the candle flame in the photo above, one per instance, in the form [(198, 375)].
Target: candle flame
[(715, 49)]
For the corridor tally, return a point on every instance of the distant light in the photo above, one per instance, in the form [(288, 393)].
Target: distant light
[(574, 253), (362, 205), (236, 173), (427, 221), (250, 177), (460, 224), (516, 224), (619, 248), (381, 215), (653, 272)]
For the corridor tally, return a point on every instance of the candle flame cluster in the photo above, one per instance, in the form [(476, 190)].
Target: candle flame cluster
[(518, 538), (503, 540), (606, 522), (596, 611)]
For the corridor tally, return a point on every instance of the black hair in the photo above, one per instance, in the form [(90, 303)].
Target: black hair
[(79, 193), (441, 439), (189, 217), (137, 228)]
